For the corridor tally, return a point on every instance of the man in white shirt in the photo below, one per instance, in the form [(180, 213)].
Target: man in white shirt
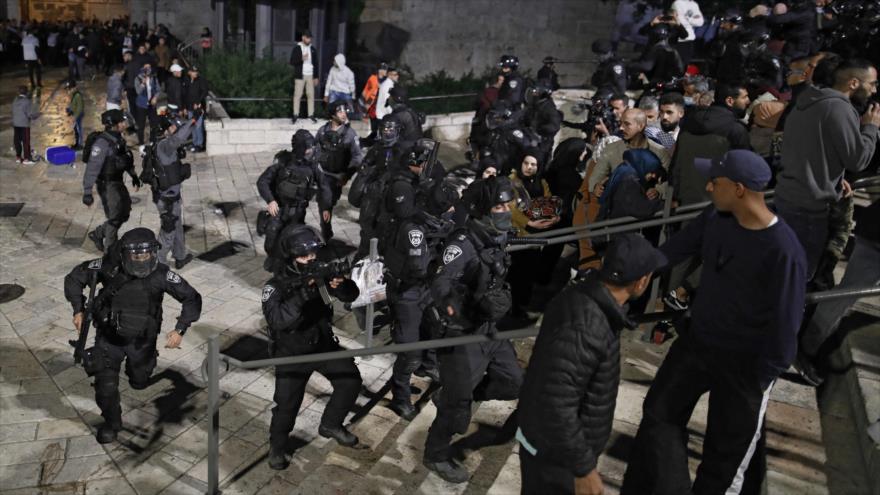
[(29, 46), (303, 58), (690, 17), (382, 107)]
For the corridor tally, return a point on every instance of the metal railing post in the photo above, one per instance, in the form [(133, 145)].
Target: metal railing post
[(371, 312), (213, 416)]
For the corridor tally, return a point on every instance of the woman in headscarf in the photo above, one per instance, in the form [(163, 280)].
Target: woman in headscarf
[(526, 265), (626, 193)]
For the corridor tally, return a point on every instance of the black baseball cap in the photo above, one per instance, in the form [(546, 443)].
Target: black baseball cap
[(743, 166), (630, 257)]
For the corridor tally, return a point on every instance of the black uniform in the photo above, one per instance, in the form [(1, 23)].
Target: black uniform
[(108, 161), (513, 89), (661, 63), (508, 144), (339, 156), (545, 120), (471, 280), (547, 72), (291, 183), (410, 122), (367, 192), (127, 316), (610, 76), (407, 258), (300, 323)]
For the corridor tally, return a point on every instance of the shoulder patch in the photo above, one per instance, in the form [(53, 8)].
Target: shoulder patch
[(268, 290), (451, 253), (96, 149), (513, 84), (518, 134), (461, 237), (618, 69), (399, 199), (96, 264), (172, 277), (415, 237)]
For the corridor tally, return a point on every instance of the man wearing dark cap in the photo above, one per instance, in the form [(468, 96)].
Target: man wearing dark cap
[(567, 400), (742, 335), (548, 72)]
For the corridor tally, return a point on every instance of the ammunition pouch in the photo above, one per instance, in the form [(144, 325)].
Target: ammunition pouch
[(495, 303), (263, 222)]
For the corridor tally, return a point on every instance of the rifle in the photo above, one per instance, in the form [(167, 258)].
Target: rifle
[(520, 241), (321, 272), (79, 345)]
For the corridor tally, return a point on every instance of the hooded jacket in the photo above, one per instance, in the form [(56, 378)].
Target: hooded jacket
[(340, 78), (823, 137), (22, 112), (720, 121), (566, 404)]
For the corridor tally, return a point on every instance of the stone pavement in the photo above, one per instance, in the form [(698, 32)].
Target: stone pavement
[(48, 415)]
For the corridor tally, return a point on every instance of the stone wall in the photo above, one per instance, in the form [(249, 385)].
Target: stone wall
[(185, 19), (54, 10), (462, 35)]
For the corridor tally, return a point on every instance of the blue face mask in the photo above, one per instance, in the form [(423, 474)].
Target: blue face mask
[(502, 221)]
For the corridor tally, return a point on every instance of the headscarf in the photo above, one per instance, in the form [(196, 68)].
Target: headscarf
[(636, 163), (532, 184)]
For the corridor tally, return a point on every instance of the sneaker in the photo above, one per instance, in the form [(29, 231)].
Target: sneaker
[(672, 301), (448, 470), (805, 367), (340, 434), (178, 264), (28, 162), (277, 460), (404, 409)]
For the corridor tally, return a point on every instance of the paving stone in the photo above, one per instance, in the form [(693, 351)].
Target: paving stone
[(82, 469), (110, 486), (20, 475), (61, 428), (19, 432), (33, 451), (27, 408)]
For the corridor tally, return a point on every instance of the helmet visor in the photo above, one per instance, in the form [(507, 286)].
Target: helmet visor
[(140, 260)]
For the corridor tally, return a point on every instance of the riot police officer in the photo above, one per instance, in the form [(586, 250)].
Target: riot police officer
[(127, 315), (514, 87), (299, 322), (410, 121), (367, 190), (610, 75), (509, 137), (108, 159), (471, 296), (339, 156), (660, 63), (542, 115), (169, 173), (548, 72), (407, 259), (287, 186)]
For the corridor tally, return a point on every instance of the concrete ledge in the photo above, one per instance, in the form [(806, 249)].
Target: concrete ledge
[(862, 349)]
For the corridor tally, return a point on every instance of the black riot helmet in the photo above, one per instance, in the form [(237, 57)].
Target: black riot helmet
[(334, 107), (542, 89), (166, 121), (509, 62), (389, 132), (658, 33), (303, 145), (139, 251), (111, 118), (483, 194), (400, 94), (302, 241)]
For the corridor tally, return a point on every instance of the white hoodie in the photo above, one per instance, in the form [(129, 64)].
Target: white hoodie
[(340, 78), (689, 16)]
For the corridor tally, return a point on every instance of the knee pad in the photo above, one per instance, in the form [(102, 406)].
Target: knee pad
[(107, 383), (168, 221), (139, 372)]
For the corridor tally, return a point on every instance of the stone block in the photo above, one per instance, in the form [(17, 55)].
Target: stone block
[(255, 148), (246, 136), (278, 136), (220, 149), (450, 132), (462, 118)]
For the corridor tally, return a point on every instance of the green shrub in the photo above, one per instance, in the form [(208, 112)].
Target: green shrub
[(235, 74)]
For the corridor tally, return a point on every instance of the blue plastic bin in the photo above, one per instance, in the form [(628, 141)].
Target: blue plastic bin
[(60, 155)]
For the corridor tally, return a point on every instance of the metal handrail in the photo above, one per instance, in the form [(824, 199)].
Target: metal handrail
[(271, 98), (214, 358)]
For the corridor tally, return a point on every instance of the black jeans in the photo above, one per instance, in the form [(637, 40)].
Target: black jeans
[(290, 387), (733, 449), (117, 208), (539, 477), (34, 69), (484, 371), (410, 325), (21, 140)]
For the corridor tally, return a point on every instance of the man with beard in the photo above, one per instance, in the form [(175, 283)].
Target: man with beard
[(823, 138), (670, 113)]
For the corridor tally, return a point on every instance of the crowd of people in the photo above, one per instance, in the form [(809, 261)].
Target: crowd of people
[(794, 115)]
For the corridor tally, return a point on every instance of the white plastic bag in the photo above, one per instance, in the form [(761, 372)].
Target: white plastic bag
[(368, 275)]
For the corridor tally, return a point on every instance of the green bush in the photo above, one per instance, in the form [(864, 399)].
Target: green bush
[(236, 74)]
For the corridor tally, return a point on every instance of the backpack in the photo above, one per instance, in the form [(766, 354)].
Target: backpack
[(87, 146)]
